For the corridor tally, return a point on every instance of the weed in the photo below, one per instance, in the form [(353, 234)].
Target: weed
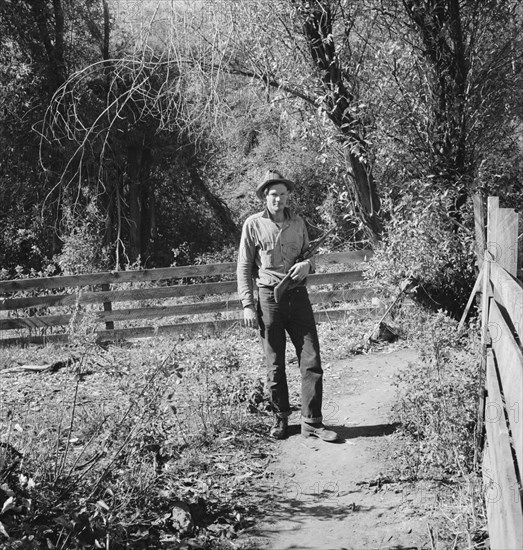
[(127, 422), (437, 403), (437, 409), (423, 244)]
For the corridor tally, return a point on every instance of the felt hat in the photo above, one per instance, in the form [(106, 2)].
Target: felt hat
[(272, 177)]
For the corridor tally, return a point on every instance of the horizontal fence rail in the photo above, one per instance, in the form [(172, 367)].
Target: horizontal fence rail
[(28, 304)]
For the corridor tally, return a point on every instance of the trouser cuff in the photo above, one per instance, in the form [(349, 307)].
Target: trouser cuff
[(314, 420)]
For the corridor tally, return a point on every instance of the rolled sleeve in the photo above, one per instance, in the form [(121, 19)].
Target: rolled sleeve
[(245, 266), (306, 243)]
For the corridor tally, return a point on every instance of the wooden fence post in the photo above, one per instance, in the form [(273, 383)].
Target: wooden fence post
[(109, 325), (502, 236), (492, 224), (507, 239), (500, 423), (479, 227)]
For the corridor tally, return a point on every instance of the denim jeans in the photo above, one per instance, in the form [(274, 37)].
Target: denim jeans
[(293, 314)]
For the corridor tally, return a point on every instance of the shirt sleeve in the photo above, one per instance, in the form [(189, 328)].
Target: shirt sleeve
[(245, 266), (306, 242)]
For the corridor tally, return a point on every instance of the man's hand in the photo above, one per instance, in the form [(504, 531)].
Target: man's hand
[(299, 271), (249, 316)]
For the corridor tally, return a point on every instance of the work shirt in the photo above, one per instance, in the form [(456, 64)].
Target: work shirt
[(268, 250)]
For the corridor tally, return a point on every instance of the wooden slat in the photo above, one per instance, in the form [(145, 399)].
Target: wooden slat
[(127, 314), (343, 295), (502, 235), (34, 322), (510, 365), (158, 312), (160, 293), (136, 294), (353, 256), (184, 328), (486, 293), (333, 278), (39, 340), (508, 291), (507, 240), (502, 498), (111, 277)]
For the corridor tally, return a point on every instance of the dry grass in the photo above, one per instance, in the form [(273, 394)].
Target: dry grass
[(155, 444), (109, 444), (437, 409)]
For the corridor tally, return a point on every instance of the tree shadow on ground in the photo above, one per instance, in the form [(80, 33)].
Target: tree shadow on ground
[(287, 504), (292, 504)]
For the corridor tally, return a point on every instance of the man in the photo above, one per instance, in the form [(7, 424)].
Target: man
[(270, 243)]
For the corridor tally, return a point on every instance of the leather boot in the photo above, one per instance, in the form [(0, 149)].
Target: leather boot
[(318, 430), (279, 428)]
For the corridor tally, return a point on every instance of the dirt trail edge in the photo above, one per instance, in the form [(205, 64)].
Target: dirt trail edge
[(325, 496)]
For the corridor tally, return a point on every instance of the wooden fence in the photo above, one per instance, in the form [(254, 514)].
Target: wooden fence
[(173, 300), (502, 339)]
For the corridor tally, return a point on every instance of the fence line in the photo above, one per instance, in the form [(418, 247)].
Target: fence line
[(503, 361), (34, 313)]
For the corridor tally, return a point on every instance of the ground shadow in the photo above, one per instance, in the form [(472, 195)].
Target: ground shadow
[(352, 432), (374, 430), (295, 505)]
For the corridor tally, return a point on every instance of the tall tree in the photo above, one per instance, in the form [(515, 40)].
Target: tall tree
[(341, 96), (470, 57), (309, 51), (112, 111)]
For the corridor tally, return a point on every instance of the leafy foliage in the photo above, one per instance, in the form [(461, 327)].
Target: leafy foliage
[(438, 398), (167, 132), (423, 244), (81, 251), (135, 452)]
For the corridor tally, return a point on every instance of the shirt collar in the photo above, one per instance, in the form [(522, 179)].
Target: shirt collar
[(288, 215)]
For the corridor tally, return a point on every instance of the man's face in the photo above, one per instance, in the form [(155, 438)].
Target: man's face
[(277, 198)]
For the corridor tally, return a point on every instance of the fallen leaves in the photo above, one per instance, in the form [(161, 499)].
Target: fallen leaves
[(123, 456)]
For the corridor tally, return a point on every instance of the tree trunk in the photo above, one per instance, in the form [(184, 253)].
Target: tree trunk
[(141, 201), (439, 25), (52, 40), (107, 31), (317, 27), (135, 218), (218, 207)]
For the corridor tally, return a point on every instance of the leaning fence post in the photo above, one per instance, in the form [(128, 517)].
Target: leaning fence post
[(485, 303)]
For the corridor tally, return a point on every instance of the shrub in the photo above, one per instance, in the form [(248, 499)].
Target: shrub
[(422, 243), (135, 433), (437, 404), (82, 251)]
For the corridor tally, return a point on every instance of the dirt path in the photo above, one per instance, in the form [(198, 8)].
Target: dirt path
[(329, 496)]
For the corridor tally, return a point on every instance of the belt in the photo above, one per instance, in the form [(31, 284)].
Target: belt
[(299, 287)]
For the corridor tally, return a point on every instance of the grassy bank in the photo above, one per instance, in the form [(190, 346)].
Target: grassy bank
[(434, 450)]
